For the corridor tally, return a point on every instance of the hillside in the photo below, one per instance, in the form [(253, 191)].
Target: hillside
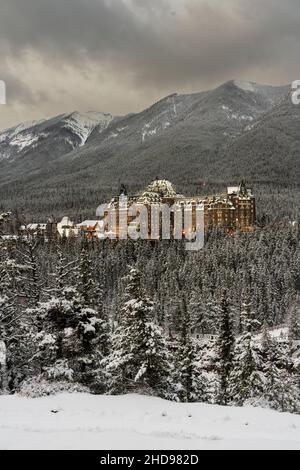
[(70, 164)]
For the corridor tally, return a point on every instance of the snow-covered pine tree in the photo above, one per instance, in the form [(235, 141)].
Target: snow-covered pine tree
[(249, 322), (224, 351), (29, 280), (8, 314), (4, 218), (97, 346), (191, 383), (139, 359), (294, 322), (211, 315), (15, 328), (65, 341), (281, 386), (173, 308), (71, 336), (86, 285), (196, 311), (61, 272), (6, 318), (246, 378)]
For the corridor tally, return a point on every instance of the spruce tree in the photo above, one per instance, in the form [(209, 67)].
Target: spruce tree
[(294, 322), (189, 377), (29, 279), (139, 359), (86, 285), (10, 317), (281, 388), (71, 337), (224, 351), (246, 380)]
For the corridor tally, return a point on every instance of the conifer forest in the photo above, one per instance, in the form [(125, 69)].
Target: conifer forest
[(220, 325)]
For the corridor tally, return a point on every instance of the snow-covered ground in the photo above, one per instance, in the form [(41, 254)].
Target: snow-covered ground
[(82, 421)]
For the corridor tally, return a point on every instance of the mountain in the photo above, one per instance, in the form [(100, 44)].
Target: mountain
[(71, 163), (62, 134), (271, 145)]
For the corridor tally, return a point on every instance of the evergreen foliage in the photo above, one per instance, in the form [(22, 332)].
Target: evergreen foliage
[(188, 327)]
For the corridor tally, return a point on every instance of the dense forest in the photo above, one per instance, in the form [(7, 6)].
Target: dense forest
[(118, 317)]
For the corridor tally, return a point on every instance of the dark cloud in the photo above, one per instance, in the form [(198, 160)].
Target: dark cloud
[(156, 45)]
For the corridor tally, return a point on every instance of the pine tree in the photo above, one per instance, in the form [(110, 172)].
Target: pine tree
[(10, 317), (249, 322), (67, 339), (4, 219), (225, 350), (72, 337), (29, 279), (281, 389), (90, 295), (189, 378), (246, 379), (139, 358), (294, 322), (196, 311), (86, 284)]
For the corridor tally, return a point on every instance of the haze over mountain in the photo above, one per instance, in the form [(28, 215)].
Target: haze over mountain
[(71, 163)]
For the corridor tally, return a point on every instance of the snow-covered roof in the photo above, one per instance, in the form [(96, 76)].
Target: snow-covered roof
[(149, 197), (233, 189), (156, 190), (162, 186), (237, 189), (42, 226), (66, 222)]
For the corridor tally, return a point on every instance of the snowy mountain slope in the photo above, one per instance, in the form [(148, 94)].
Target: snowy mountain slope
[(271, 143), (65, 131), (183, 138), (83, 124), (13, 132), (18, 136), (82, 421), (225, 111)]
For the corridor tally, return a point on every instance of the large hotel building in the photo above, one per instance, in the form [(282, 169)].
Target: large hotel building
[(231, 211)]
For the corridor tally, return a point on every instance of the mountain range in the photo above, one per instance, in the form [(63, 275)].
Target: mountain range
[(200, 141)]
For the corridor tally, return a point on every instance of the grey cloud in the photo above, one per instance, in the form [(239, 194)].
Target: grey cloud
[(156, 44), (206, 40), (18, 91)]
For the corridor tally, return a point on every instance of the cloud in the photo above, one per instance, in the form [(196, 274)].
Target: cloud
[(18, 91), (147, 48)]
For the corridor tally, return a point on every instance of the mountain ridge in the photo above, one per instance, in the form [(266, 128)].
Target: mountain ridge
[(236, 130)]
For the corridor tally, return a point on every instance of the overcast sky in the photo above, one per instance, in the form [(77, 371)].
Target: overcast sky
[(120, 56)]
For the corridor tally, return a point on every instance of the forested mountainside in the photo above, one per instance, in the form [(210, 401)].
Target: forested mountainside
[(153, 318), (201, 142)]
